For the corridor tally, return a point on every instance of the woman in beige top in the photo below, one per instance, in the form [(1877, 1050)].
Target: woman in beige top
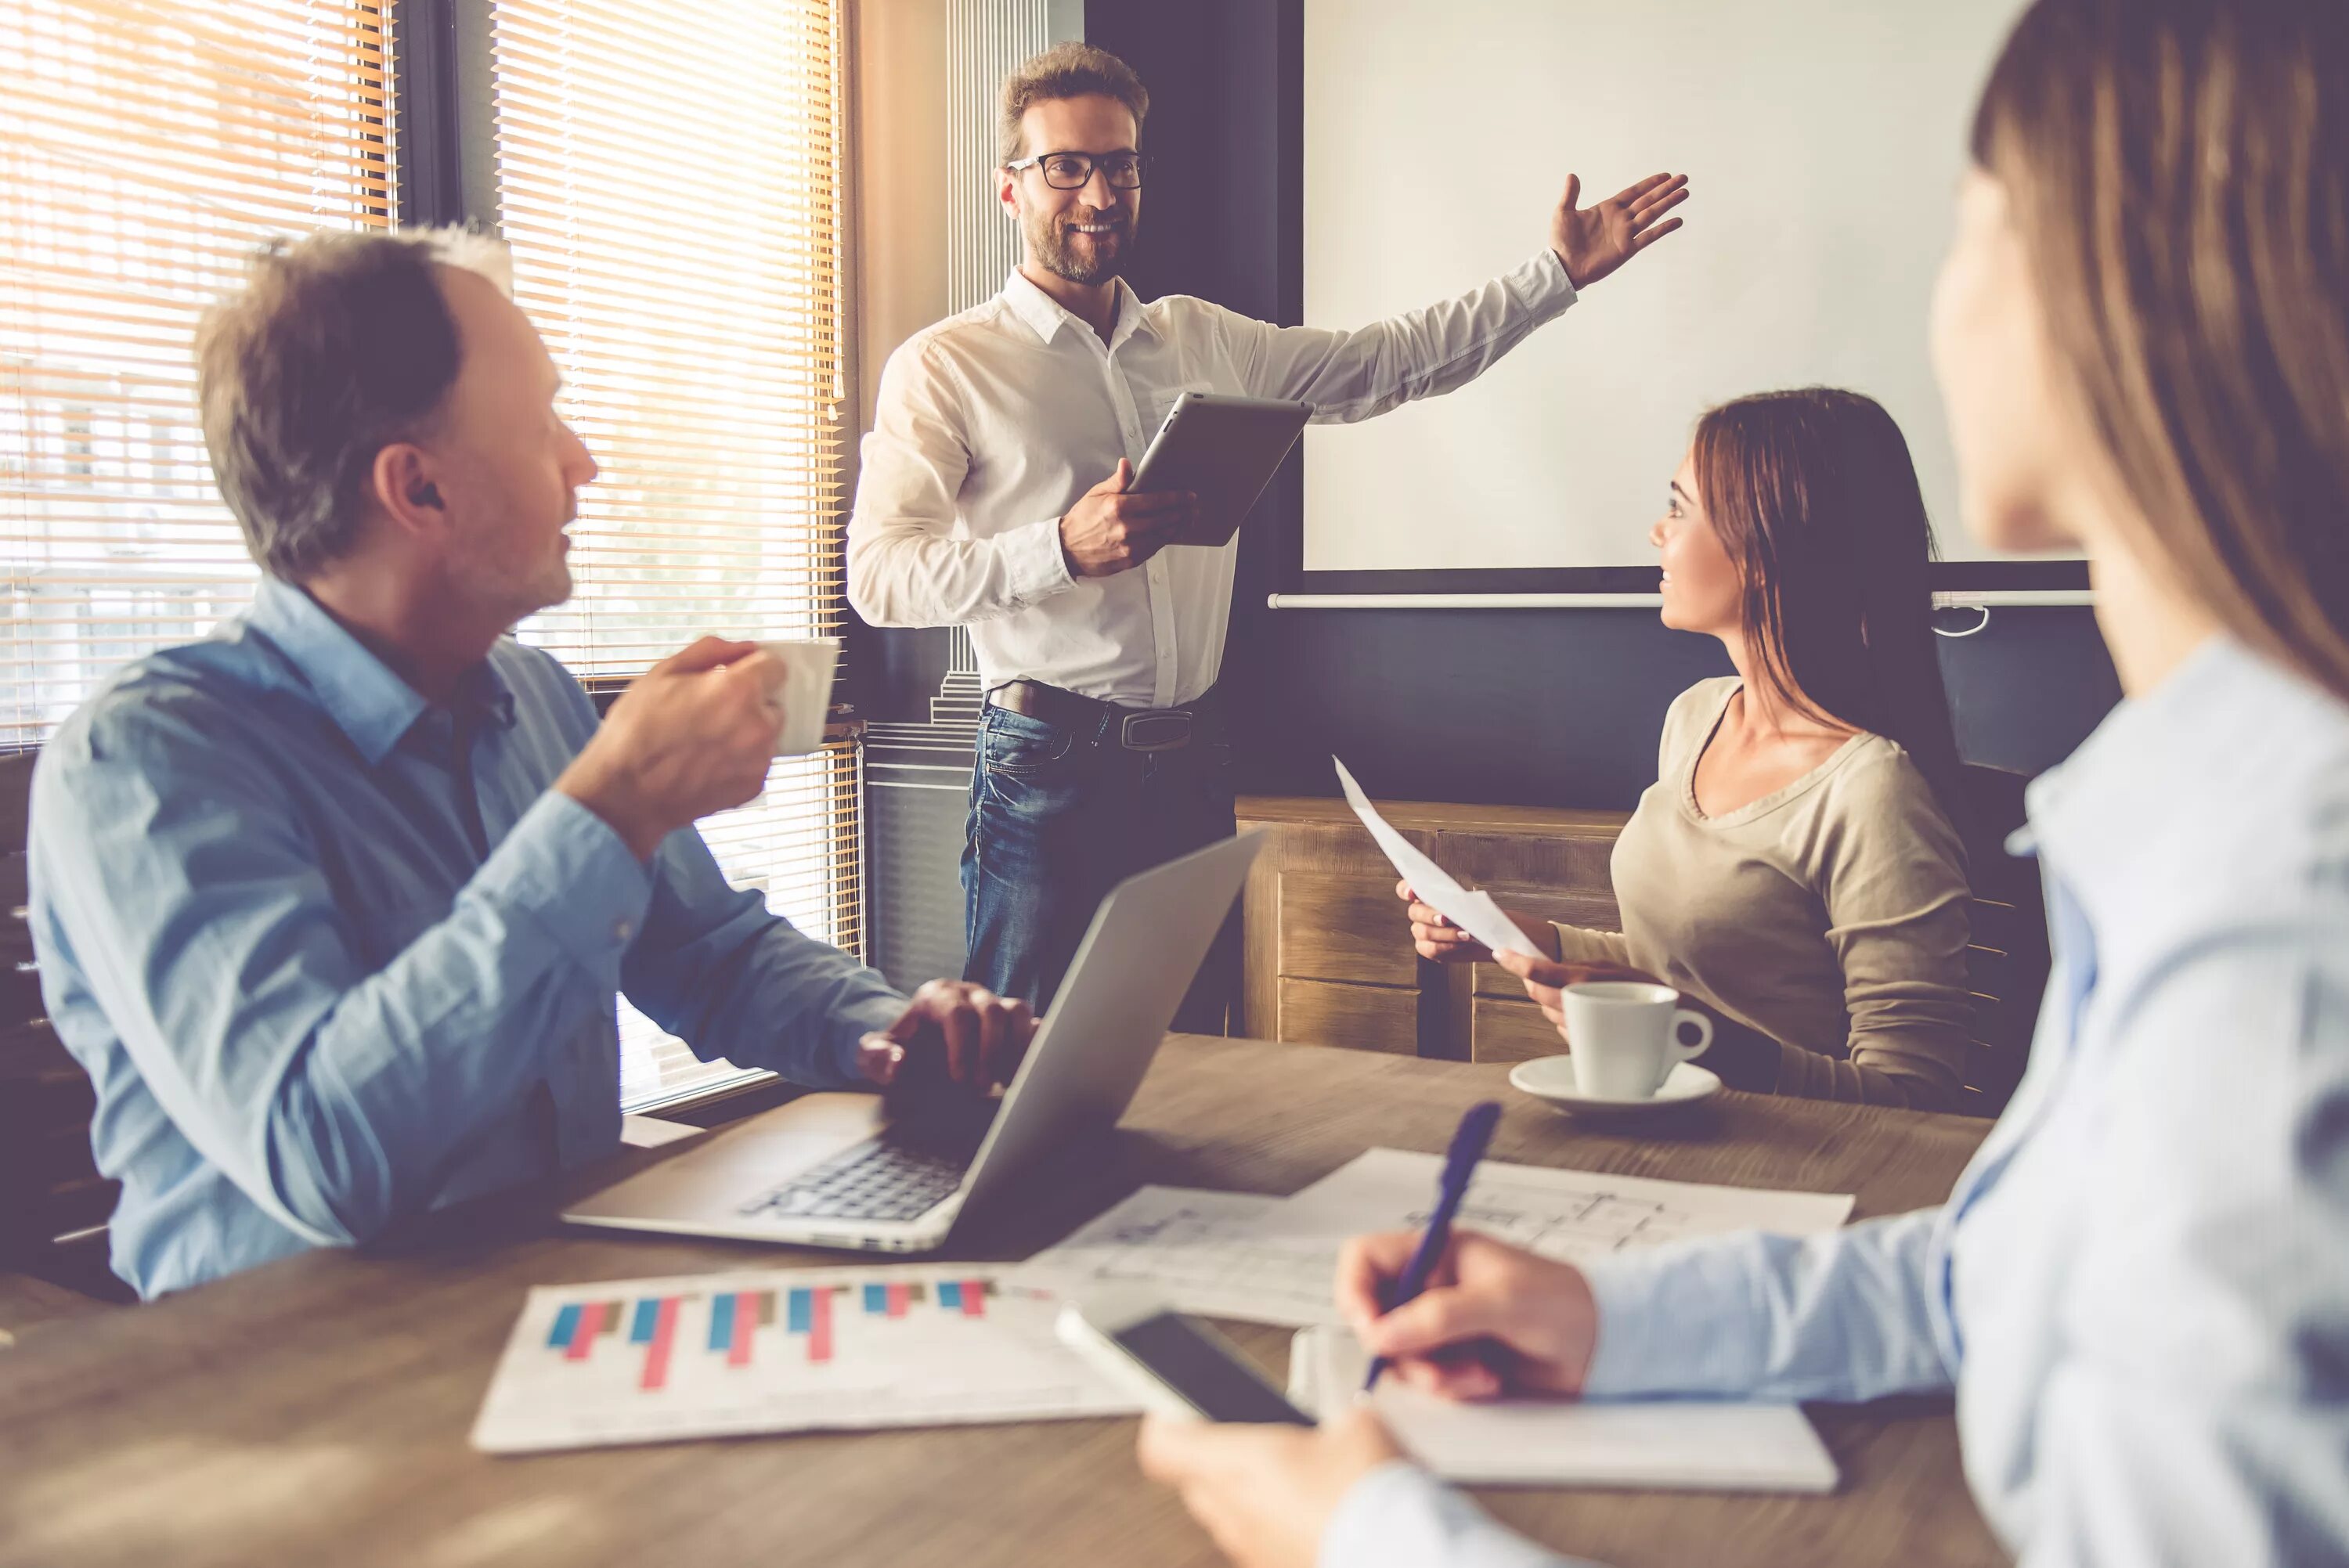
[(1795, 869)]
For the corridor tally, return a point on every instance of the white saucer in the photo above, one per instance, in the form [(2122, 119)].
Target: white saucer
[(1551, 1078)]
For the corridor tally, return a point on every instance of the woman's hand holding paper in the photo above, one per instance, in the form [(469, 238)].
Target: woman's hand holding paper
[(1436, 937)]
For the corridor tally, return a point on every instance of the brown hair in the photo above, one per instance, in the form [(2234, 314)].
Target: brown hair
[(1065, 71), (2179, 173), (339, 345), (1813, 495)]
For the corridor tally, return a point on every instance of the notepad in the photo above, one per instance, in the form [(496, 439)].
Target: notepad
[(1667, 1445)]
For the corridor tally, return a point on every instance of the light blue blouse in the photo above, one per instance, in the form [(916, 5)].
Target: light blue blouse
[(2140, 1289)]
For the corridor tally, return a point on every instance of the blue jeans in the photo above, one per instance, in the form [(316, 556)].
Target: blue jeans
[(1059, 817)]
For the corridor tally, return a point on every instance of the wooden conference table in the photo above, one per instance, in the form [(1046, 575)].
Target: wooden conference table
[(316, 1410)]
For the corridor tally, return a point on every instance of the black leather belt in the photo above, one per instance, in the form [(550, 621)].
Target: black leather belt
[(1096, 722)]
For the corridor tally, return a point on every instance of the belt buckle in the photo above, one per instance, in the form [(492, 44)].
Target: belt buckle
[(1172, 724)]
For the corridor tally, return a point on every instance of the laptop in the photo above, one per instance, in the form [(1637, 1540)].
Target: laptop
[(843, 1171)]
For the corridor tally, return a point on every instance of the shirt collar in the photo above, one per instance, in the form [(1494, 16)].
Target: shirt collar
[(359, 692), (1046, 315), (2163, 774)]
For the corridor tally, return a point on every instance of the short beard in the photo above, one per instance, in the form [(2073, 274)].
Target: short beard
[(1056, 256)]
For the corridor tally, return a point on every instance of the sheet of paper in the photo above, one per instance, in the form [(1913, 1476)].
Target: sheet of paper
[(1472, 910), (1674, 1444), (1275, 1260), (782, 1350), (1220, 1254), (1574, 1215), (652, 1132)]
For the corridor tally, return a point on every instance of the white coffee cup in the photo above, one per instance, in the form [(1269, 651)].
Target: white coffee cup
[(1624, 1035), (806, 694)]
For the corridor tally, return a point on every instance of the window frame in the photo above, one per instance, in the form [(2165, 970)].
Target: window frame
[(443, 146), (445, 141)]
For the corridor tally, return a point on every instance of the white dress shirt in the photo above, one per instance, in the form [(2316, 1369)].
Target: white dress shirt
[(2140, 1288), (992, 423)]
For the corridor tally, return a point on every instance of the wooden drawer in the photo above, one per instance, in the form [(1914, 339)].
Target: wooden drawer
[(1505, 1031), (1363, 1018), (1329, 958), (1348, 928), (1573, 861)]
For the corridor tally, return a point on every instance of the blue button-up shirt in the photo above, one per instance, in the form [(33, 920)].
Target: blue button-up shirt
[(333, 955), (2140, 1288)]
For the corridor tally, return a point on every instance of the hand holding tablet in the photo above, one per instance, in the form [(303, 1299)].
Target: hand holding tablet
[(1222, 449)]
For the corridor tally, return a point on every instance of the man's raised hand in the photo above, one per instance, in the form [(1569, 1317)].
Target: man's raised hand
[(1594, 240)]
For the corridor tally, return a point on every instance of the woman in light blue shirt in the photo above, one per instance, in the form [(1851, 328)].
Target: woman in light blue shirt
[(2139, 1290)]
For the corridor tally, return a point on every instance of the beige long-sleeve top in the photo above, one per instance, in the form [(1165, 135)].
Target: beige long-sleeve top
[(1829, 916)]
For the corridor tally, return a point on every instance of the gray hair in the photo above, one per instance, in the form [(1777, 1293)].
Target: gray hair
[(339, 345)]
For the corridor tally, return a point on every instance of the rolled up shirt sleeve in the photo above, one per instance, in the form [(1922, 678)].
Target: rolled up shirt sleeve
[(719, 970), (332, 1091), (906, 565)]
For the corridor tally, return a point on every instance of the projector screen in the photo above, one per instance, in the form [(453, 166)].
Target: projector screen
[(1823, 139)]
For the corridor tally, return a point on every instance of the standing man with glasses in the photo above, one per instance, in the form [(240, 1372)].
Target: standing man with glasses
[(994, 497)]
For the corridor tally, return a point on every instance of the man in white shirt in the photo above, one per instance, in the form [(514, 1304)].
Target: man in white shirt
[(993, 497)]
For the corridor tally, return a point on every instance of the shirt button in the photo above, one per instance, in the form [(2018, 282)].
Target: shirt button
[(622, 930)]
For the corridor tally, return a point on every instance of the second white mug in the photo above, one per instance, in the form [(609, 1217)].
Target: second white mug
[(806, 693), (1624, 1037)]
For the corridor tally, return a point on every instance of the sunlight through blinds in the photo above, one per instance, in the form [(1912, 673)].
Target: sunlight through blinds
[(147, 149), (671, 181)]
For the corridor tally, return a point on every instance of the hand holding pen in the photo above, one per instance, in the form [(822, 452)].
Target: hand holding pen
[(1488, 1319), (1468, 1145)]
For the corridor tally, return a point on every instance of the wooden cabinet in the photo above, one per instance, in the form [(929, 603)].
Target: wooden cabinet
[(1329, 956)]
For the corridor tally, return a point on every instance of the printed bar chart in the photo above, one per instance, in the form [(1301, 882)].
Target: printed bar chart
[(772, 1351)]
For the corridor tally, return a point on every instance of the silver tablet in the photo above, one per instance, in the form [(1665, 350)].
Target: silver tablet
[(1222, 449)]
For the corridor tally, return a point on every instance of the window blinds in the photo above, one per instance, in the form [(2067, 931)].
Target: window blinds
[(146, 147), (670, 182)]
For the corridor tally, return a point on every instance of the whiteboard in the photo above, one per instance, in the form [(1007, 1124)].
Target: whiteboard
[(1822, 139)]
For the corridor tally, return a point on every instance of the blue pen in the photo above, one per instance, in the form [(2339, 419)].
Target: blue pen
[(1459, 1165)]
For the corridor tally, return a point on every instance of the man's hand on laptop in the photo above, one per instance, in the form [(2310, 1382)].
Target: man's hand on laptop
[(954, 1030), (693, 735)]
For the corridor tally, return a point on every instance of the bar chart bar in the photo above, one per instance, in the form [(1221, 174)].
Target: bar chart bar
[(722, 1323), (567, 1327), (746, 1319), (819, 1326), (663, 1336), (590, 1324)]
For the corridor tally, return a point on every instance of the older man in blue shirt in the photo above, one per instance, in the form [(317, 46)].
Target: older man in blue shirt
[(334, 905)]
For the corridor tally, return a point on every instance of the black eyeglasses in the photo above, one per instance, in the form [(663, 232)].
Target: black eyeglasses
[(1074, 170)]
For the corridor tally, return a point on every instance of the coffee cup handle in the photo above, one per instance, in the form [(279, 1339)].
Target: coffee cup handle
[(1684, 1050)]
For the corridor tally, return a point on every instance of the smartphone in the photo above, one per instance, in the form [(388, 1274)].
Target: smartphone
[(1173, 1362)]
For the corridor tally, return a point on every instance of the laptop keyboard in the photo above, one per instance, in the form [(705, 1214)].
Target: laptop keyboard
[(879, 1179)]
